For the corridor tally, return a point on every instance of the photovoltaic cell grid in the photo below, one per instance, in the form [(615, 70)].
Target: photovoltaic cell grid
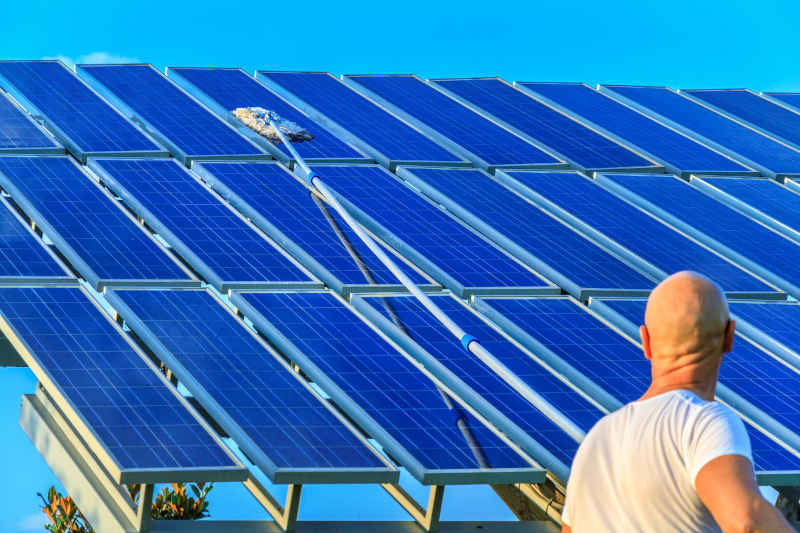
[(20, 253), (487, 140), (718, 221), (791, 99), (380, 380), (85, 118), (292, 209), (99, 232), (766, 196), (222, 240), (424, 329), (132, 413), (568, 137), (779, 321), (742, 140), (292, 427), (649, 135), (758, 111), (621, 369), (18, 132), (583, 262), (232, 88), (647, 237), (191, 127), (472, 261), (381, 130)]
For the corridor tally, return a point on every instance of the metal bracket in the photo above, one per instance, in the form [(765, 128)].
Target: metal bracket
[(428, 519), (285, 516)]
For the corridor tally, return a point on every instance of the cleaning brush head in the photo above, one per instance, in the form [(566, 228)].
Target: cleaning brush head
[(261, 121)]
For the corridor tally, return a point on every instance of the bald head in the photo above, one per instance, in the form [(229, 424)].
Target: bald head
[(687, 314)]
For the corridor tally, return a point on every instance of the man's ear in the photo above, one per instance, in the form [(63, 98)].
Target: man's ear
[(727, 342), (645, 335)]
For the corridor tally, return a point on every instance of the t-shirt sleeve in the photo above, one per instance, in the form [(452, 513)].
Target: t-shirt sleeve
[(718, 431)]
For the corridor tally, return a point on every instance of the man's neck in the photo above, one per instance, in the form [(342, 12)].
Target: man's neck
[(698, 376)]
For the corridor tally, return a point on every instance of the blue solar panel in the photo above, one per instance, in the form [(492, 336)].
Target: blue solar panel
[(218, 236), (647, 237), (140, 422), (232, 88), (619, 366), (73, 108), (649, 135), (472, 261), (470, 130), (17, 132), (718, 221), (281, 416), (779, 321), (385, 133), (302, 217), (99, 232), (758, 111), (581, 144), (192, 128), (766, 196), (20, 253), (381, 381), (579, 259), (756, 376), (742, 140), (791, 99), (429, 333)]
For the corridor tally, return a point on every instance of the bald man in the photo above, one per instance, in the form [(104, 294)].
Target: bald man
[(674, 460)]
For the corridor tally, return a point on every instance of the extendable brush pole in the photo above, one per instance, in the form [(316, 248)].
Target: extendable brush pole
[(470, 343)]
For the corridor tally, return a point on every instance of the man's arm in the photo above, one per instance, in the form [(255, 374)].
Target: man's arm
[(566, 529), (727, 488)]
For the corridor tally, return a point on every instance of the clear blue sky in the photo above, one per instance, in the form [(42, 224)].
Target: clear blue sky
[(680, 43)]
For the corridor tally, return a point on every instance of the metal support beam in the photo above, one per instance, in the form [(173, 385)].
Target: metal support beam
[(428, 519), (285, 516), (145, 507)]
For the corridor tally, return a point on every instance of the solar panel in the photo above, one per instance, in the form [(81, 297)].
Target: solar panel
[(583, 146), (20, 253), (757, 111), (143, 430), (468, 259), (275, 418), (762, 151), (678, 152), (790, 99), (424, 329), (651, 240), (265, 190), (95, 235), (229, 89), (767, 196), (568, 258), (757, 245), (382, 382), (390, 139), (220, 244), (492, 144), (85, 123), (777, 325), (18, 134), (619, 366), (192, 130)]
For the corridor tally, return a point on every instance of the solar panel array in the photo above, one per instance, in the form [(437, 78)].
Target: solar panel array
[(225, 270)]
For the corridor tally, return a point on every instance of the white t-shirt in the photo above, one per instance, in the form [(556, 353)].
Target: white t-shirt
[(635, 469)]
